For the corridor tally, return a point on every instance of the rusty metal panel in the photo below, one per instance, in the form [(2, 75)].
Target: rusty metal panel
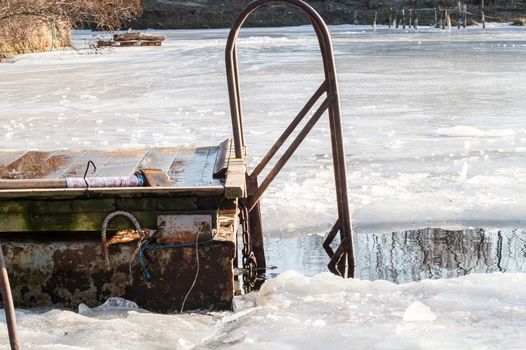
[(68, 273), (173, 229)]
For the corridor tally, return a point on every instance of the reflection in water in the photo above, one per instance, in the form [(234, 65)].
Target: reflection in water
[(411, 255)]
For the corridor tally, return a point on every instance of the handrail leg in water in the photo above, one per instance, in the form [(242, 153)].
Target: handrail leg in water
[(7, 301), (342, 259)]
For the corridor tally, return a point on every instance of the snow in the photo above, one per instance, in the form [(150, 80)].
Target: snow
[(293, 311), (419, 312), (434, 131)]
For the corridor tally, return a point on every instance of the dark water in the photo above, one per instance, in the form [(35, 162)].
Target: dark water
[(410, 255)]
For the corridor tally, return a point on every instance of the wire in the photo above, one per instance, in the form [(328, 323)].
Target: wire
[(196, 270), (147, 273)]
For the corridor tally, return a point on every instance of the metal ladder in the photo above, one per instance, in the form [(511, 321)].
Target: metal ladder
[(342, 260)]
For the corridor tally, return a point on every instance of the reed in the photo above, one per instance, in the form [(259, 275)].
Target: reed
[(519, 21), (42, 25)]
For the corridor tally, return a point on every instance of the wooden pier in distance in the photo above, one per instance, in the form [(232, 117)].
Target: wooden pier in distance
[(133, 39), (51, 237)]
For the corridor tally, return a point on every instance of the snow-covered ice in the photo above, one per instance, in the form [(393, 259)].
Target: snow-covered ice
[(430, 117), (435, 136), (322, 312)]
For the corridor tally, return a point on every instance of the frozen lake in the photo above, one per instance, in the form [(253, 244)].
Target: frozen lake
[(435, 136)]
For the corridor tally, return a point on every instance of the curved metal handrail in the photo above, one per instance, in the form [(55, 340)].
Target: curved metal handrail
[(331, 103)]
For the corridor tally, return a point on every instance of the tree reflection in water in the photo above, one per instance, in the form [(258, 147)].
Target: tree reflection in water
[(411, 255)]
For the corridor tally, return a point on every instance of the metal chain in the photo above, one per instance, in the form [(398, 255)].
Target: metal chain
[(248, 257)]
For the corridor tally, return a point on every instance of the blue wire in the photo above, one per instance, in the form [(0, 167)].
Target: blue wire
[(165, 246)]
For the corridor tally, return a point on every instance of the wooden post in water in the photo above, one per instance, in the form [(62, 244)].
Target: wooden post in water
[(395, 21), (355, 17), (483, 19), (374, 20), (390, 17), (435, 20), (410, 17), (442, 20), (403, 18), (459, 17), (416, 21), (465, 12), (448, 19)]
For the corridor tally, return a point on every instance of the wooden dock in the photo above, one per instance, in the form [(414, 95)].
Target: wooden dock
[(51, 237), (173, 243), (133, 39)]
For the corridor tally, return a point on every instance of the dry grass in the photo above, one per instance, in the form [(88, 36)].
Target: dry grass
[(33, 36), (41, 25), (520, 21)]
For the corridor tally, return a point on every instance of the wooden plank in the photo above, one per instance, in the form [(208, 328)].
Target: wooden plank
[(179, 163), (207, 176), (36, 165), (122, 163), (189, 166), (236, 176), (19, 168), (138, 37), (7, 157), (121, 192), (160, 158), (70, 158), (77, 169), (235, 183), (221, 162), (83, 222)]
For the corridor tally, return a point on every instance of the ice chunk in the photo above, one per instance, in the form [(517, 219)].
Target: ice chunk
[(419, 312), (460, 131), (84, 310), (117, 304)]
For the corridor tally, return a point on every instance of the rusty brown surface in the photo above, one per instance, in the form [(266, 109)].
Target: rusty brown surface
[(68, 273), (48, 266), (124, 236), (172, 229)]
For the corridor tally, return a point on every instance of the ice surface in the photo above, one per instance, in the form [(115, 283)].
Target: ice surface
[(434, 131), (433, 120), (321, 312)]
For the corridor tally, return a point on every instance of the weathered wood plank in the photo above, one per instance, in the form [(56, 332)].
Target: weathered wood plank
[(236, 178), (138, 37), (77, 169), (37, 164), (194, 167), (106, 205), (18, 168), (83, 222), (70, 158), (7, 157), (121, 192), (222, 157), (187, 167), (160, 158), (123, 163), (207, 176), (235, 183), (179, 164)]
